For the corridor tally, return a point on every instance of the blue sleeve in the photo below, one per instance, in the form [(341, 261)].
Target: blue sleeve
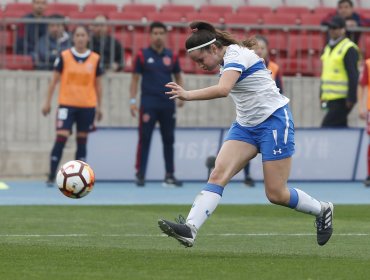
[(138, 63), (176, 65), (99, 69), (58, 64)]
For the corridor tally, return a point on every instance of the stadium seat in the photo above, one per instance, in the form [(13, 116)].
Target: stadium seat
[(367, 49), (61, 8), (128, 16), (176, 40), (296, 10), (278, 44), (324, 11), (6, 41), (304, 45), (215, 9), (187, 65), (16, 62), (249, 10), (14, 13), (125, 38), (279, 19), (296, 67), (139, 40), (139, 8), (182, 9), (211, 18), (102, 8), (84, 15), (24, 8), (165, 17), (252, 19), (311, 19)]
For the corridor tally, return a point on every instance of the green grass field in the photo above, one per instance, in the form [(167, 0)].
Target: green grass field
[(124, 242)]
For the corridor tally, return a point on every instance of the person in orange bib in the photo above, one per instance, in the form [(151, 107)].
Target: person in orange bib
[(262, 50), (364, 109), (79, 101)]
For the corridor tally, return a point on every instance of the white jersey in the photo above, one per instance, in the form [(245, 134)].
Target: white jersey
[(255, 93)]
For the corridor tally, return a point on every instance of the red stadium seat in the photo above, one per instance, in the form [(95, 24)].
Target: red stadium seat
[(16, 62), (311, 19), (249, 10), (251, 19), (14, 13), (296, 10), (304, 45), (101, 8), (211, 18), (187, 65), (140, 40), (125, 39), (84, 15), (61, 8), (6, 40), (140, 8), (215, 9), (279, 19), (182, 9), (24, 8), (296, 67), (324, 11), (128, 16), (367, 49), (176, 41), (165, 17), (278, 45)]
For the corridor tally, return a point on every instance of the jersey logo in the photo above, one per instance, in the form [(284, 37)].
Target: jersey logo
[(166, 61), (150, 60)]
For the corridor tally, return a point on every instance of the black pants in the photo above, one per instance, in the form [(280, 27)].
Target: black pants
[(337, 114)]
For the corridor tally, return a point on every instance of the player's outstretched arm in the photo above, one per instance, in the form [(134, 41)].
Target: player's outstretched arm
[(222, 89)]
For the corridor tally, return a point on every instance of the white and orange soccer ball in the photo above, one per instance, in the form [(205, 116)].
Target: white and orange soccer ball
[(75, 179)]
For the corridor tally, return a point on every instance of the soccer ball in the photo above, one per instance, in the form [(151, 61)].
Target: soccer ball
[(75, 179)]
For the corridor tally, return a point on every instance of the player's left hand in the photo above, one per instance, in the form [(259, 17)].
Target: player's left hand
[(98, 114), (177, 91)]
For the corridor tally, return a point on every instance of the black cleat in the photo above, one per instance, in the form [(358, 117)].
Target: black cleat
[(324, 224), (184, 233), (171, 181), (248, 181), (140, 181)]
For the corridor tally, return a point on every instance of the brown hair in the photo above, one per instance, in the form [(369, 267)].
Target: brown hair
[(204, 32)]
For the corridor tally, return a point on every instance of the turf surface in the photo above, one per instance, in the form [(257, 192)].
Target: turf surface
[(124, 242)]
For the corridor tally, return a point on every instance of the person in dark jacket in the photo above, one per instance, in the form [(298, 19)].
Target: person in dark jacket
[(108, 47), (28, 34)]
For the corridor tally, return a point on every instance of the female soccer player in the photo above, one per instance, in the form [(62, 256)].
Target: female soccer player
[(80, 92), (263, 124)]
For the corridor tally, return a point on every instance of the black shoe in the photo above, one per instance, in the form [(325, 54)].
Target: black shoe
[(367, 182), (50, 182), (171, 181), (140, 181), (184, 233), (248, 181), (324, 224)]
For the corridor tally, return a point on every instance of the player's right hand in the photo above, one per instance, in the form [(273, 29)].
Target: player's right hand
[(46, 109), (133, 109)]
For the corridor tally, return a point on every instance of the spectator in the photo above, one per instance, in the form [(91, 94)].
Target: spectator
[(352, 19), (51, 44), (78, 71), (29, 33), (339, 76), (107, 46), (364, 109), (262, 51), (155, 64)]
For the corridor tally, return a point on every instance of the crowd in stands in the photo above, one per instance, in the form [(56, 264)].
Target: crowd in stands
[(33, 34)]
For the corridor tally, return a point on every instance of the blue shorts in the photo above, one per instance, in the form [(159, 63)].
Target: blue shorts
[(83, 117), (274, 138)]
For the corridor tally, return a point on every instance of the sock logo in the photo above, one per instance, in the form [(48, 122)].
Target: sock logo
[(208, 213)]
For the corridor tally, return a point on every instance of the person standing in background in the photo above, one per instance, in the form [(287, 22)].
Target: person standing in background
[(339, 77), (262, 50), (364, 109), (28, 34), (156, 65), (110, 50), (78, 71)]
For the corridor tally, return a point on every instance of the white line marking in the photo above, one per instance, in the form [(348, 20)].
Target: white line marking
[(158, 235)]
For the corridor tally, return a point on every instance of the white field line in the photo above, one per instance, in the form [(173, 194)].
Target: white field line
[(160, 235)]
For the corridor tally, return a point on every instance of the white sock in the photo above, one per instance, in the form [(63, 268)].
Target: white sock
[(204, 205), (307, 204)]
